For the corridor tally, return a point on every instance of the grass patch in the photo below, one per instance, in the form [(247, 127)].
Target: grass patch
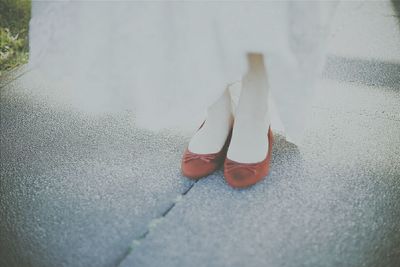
[(14, 25)]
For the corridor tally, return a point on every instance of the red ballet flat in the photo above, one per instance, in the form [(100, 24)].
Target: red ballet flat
[(196, 166), (242, 175)]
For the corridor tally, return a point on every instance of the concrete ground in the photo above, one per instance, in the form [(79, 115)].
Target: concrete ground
[(81, 189)]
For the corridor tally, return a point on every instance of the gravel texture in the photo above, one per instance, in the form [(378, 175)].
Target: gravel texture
[(76, 189)]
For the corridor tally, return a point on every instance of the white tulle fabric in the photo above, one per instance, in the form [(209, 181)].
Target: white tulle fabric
[(168, 61)]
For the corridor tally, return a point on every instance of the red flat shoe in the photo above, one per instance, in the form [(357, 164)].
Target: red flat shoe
[(196, 166), (242, 175)]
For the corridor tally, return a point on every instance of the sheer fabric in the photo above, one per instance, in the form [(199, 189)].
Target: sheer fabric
[(168, 61)]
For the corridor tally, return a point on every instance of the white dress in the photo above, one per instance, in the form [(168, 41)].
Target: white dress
[(168, 61)]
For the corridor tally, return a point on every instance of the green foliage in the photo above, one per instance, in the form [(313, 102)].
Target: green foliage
[(14, 24), (15, 14), (12, 52)]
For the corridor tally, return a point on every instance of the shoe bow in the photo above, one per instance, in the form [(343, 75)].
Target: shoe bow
[(203, 157)]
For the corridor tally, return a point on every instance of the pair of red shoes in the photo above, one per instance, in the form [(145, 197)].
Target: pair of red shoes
[(238, 175)]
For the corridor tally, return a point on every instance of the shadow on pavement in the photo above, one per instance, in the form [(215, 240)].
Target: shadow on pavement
[(396, 6), (283, 149), (366, 72), (287, 163)]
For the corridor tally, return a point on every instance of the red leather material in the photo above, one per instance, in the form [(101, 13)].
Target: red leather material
[(196, 166), (241, 175)]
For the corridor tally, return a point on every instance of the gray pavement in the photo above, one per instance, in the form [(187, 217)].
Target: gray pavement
[(333, 201), (83, 189), (76, 190)]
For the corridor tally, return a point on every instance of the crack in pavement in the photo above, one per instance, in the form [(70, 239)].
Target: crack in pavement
[(152, 224)]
